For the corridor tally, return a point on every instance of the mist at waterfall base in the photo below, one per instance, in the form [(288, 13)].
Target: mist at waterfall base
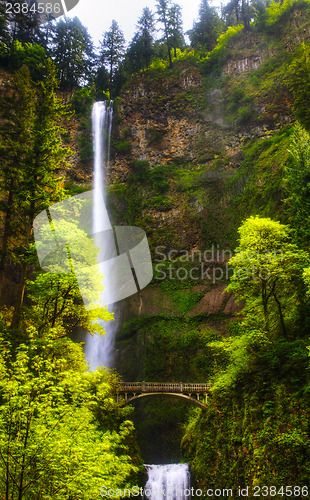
[(168, 482), (98, 348)]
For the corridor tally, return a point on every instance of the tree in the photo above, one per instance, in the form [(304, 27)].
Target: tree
[(163, 11), (267, 271), (207, 29), (145, 33), (32, 184), (113, 50), (23, 21), (140, 50), (176, 28), (18, 118), (73, 53), (297, 184), (60, 429), (299, 83), (238, 10)]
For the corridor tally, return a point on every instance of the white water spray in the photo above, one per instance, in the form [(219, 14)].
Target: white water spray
[(98, 348), (168, 482)]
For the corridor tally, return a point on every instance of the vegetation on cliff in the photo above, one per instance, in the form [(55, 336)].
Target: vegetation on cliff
[(207, 139)]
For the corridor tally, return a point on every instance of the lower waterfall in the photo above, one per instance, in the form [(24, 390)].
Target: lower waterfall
[(168, 482)]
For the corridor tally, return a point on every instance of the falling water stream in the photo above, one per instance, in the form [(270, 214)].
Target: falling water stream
[(168, 482), (98, 348), (165, 482)]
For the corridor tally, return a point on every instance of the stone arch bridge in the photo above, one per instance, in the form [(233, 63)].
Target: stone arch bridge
[(195, 393)]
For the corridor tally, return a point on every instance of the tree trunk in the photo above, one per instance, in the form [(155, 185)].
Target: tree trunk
[(20, 297), (280, 314), (22, 283), (6, 234)]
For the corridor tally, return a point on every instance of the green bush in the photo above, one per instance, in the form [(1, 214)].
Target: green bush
[(141, 170), (159, 175), (244, 115), (122, 147), (82, 101)]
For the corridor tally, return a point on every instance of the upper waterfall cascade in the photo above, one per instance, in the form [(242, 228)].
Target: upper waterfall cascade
[(98, 348)]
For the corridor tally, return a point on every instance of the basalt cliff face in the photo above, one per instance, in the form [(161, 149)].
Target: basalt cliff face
[(200, 121)]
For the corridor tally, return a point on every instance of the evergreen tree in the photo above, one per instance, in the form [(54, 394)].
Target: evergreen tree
[(24, 20), (207, 29), (145, 34), (112, 50), (18, 119), (176, 28), (5, 39), (297, 184), (33, 153), (163, 12), (140, 51), (238, 11), (299, 83), (73, 52)]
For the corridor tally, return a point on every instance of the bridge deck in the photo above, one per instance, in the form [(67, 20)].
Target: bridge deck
[(180, 387)]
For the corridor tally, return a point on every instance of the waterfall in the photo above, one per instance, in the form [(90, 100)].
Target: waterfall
[(98, 348), (168, 482)]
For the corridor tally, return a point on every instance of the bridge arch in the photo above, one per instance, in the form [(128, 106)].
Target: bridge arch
[(132, 391), (176, 395)]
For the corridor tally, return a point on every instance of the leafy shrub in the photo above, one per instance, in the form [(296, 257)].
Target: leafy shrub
[(161, 203), (141, 170), (275, 10), (82, 101), (159, 175), (85, 147), (214, 60), (244, 115), (122, 147)]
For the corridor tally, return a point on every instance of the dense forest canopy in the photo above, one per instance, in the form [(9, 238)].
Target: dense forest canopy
[(63, 434)]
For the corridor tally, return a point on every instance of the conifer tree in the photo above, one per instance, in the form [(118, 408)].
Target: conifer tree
[(176, 28), (33, 153), (207, 29), (73, 53), (18, 120), (113, 50), (163, 11)]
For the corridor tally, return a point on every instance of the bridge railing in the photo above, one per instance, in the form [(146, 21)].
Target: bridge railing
[(139, 387)]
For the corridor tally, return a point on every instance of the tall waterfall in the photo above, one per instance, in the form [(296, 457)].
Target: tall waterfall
[(168, 482), (98, 348)]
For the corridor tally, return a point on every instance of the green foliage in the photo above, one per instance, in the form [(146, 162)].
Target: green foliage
[(276, 9), (141, 170), (33, 151), (82, 100), (207, 29), (299, 83), (297, 183), (123, 147), (54, 442), (240, 105), (215, 59), (267, 267), (72, 52), (159, 175), (31, 55)]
